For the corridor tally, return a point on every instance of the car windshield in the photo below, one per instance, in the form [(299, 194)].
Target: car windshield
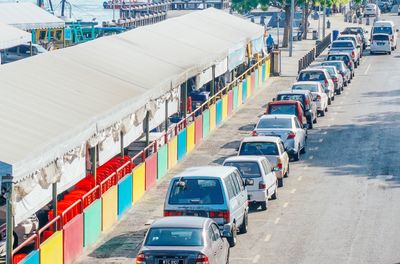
[(309, 87), (338, 65), (344, 44), (346, 38), (331, 71), (274, 123), (176, 237), (385, 30), (289, 109), (370, 6), (380, 37), (311, 76), (249, 169), (294, 97), (258, 148), (339, 57), (196, 191)]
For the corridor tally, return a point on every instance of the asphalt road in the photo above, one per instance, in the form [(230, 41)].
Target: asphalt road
[(341, 201)]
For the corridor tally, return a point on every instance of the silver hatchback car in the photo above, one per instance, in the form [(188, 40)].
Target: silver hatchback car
[(184, 240)]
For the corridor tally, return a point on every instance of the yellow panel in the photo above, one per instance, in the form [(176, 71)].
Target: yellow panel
[(224, 106), (172, 152), (51, 250), (268, 71), (249, 88), (190, 137), (260, 76), (240, 94), (212, 117), (109, 208), (138, 182)]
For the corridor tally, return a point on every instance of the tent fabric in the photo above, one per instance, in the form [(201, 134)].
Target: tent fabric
[(27, 16), (54, 102), (11, 36)]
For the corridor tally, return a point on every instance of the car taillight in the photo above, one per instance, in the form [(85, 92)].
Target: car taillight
[(307, 102), (262, 185), (335, 79), (291, 135), (254, 133), (318, 97), (220, 214), (202, 259), (173, 213), (140, 259), (326, 82), (353, 54)]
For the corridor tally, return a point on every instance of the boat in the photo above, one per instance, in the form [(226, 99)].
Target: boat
[(116, 4)]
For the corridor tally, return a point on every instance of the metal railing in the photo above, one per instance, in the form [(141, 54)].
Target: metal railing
[(307, 59)]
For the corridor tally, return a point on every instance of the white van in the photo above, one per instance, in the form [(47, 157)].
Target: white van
[(386, 27), (259, 169), (216, 192), (380, 43)]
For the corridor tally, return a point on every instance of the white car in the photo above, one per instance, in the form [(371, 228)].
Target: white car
[(318, 93), (380, 43), (371, 10), (386, 27), (270, 147), (260, 170), (319, 75)]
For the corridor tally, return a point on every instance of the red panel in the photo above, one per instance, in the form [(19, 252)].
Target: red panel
[(198, 130), (151, 171), (230, 102), (73, 239)]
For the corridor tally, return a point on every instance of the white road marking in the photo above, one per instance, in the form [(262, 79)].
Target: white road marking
[(325, 132), (256, 258), (299, 178), (311, 157), (366, 71), (320, 140), (267, 238), (293, 191), (277, 220), (285, 205)]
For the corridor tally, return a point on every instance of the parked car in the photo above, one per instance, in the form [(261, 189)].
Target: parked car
[(261, 171), (319, 75), (380, 43), (289, 107), (21, 52), (346, 58), (371, 10), (356, 38), (398, 10), (335, 76), (346, 46), (184, 239), (357, 30), (288, 129), (319, 95), (270, 147), (217, 192), (386, 27), (341, 68), (306, 99)]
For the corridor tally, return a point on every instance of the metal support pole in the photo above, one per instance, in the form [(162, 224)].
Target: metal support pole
[(277, 28), (54, 204), (94, 163), (323, 20), (122, 144), (147, 130), (291, 28), (7, 183), (212, 92), (30, 48), (166, 116), (185, 96)]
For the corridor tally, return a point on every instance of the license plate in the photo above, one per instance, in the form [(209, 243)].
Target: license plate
[(381, 43), (170, 261)]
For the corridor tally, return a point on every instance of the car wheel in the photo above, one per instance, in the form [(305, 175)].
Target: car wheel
[(355, 65), (322, 113), (333, 98), (280, 182), (227, 256), (287, 172), (303, 150), (339, 91), (296, 156), (326, 109), (390, 52), (315, 119), (329, 101), (264, 206), (244, 227), (310, 125), (233, 239), (275, 195), (345, 84)]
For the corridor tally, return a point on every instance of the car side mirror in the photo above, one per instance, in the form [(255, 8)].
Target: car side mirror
[(226, 232), (237, 148), (248, 182), (397, 30)]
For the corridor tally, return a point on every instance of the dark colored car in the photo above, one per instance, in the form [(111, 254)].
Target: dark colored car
[(355, 31), (289, 107)]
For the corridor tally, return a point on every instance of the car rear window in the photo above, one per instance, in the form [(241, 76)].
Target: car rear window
[(345, 44), (311, 76), (258, 148), (177, 237), (380, 37), (294, 97), (248, 169), (339, 57), (275, 123), (309, 87), (289, 109), (196, 191), (338, 65), (385, 30)]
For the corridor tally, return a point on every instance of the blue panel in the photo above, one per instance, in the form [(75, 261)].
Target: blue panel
[(182, 144), (263, 70), (244, 91), (124, 194), (32, 258), (218, 112)]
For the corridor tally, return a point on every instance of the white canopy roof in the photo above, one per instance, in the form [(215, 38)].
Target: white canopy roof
[(27, 16), (11, 36), (54, 102)]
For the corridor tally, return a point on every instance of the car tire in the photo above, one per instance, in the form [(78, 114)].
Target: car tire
[(264, 206), (333, 98), (296, 156), (275, 195), (322, 113), (338, 92), (315, 120), (303, 150), (326, 109), (329, 101), (245, 225), (233, 239), (345, 84), (280, 182), (390, 53), (227, 256), (287, 172), (355, 65), (310, 125)]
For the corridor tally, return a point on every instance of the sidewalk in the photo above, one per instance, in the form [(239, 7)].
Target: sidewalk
[(121, 243)]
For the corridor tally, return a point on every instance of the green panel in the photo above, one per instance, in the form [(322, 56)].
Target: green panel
[(256, 79), (235, 98), (206, 123), (92, 223), (162, 161)]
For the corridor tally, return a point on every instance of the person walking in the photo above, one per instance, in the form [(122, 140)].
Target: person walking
[(270, 43)]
